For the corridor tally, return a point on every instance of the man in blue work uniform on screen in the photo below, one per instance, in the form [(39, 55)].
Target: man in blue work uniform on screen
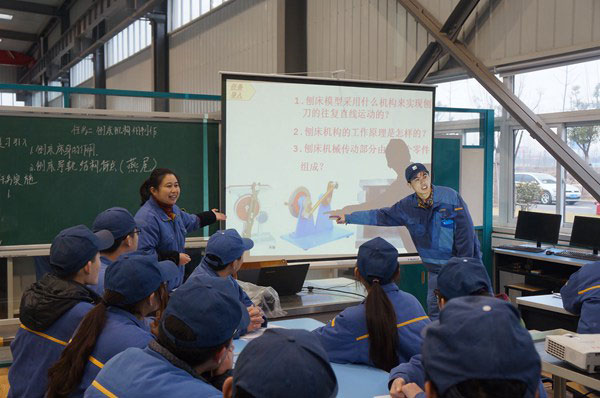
[(437, 219)]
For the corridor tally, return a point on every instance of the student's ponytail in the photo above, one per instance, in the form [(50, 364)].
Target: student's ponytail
[(381, 325), (65, 375), (153, 181)]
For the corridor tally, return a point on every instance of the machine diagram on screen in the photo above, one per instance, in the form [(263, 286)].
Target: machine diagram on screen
[(248, 210), (309, 232)]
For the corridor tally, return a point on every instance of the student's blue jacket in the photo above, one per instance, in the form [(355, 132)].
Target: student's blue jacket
[(145, 373), (203, 269), (51, 310), (104, 264), (413, 372), (581, 295), (346, 338), (163, 236), (121, 331), (439, 233)]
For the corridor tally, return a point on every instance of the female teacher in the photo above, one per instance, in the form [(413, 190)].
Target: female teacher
[(162, 223)]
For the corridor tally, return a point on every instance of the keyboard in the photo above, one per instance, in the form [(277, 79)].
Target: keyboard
[(529, 249), (578, 255)]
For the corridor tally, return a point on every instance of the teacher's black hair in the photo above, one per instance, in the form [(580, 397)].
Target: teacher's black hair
[(154, 181)]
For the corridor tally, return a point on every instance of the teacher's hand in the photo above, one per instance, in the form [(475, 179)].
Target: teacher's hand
[(220, 216), (184, 259), (337, 215)]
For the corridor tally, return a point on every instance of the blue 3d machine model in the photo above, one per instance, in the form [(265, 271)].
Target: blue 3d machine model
[(308, 233)]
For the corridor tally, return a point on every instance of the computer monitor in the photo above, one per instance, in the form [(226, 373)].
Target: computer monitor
[(538, 227), (586, 233)]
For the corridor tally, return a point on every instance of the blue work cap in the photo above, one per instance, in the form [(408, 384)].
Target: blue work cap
[(462, 276), (479, 338), (135, 276), (413, 169), (170, 274), (73, 247), (377, 259), (209, 306), (283, 363), (228, 246), (117, 220)]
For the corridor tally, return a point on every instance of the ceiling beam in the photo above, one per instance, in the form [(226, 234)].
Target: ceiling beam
[(530, 121), (22, 36), (26, 6), (434, 51)]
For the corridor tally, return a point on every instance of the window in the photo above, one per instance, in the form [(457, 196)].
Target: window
[(535, 175), (182, 12), (54, 94), (566, 88), (10, 99), (467, 93), (82, 71), (584, 139), (129, 41)]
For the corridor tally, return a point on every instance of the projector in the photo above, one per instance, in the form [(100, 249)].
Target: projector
[(580, 350)]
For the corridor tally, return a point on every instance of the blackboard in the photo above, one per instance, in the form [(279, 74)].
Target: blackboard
[(56, 172)]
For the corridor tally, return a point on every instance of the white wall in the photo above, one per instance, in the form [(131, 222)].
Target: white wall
[(134, 73), (378, 39), (241, 36)]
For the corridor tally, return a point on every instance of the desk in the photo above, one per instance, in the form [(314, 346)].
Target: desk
[(358, 381), (539, 269), (321, 303), (561, 371), (546, 312)]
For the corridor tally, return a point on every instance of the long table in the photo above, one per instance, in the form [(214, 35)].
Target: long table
[(546, 312), (323, 298), (354, 381)]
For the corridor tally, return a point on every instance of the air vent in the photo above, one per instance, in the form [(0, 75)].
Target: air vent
[(555, 349)]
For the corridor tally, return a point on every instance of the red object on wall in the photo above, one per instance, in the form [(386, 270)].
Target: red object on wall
[(15, 58), (598, 208)]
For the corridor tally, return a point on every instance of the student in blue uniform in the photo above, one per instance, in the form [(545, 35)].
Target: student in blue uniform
[(438, 221), (384, 330), (459, 277), (121, 224), (134, 288), (223, 258), (282, 363), (163, 224), (195, 338), (52, 308), (478, 349), (581, 295)]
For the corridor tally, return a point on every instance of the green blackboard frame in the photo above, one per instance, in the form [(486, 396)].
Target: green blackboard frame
[(59, 169)]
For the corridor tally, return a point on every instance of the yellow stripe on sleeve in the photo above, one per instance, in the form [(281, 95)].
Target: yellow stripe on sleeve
[(333, 322), (588, 289), (103, 390), (96, 362), (366, 336), (44, 335), (458, 208)]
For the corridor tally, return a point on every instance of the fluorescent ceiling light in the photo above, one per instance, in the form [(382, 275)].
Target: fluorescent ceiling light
[(8, 17)]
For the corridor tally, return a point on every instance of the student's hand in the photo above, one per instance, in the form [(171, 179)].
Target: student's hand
[(220, 216), (227, 362), (396, 388), (337, 215), (184, 259), (256, 318), (411, 390)]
